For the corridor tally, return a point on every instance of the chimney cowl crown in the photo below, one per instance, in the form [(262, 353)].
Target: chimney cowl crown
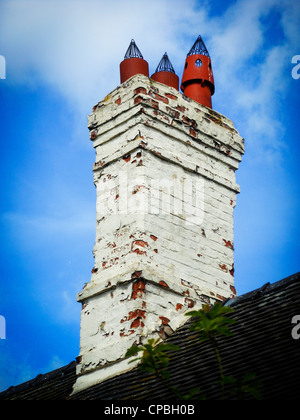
[(165, 73), (133, 63)]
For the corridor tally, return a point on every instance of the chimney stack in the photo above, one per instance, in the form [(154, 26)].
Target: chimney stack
[(197, 80), (165, 73), (133, 63), (165, 183)]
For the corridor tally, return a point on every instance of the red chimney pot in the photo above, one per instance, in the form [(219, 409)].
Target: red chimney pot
[(133, 63), (165, 73), (197, 80)]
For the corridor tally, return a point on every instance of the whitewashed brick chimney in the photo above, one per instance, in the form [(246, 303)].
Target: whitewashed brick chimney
[(165, 180)]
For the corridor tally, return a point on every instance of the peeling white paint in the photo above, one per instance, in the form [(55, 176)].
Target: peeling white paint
[(160, 159)]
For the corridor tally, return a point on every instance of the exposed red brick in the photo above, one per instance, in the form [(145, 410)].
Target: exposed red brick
[(171, 96), (164, 320), (193, 132), (158, 97), (130, 332), (93, 135), (138, 313), (140, 243), (136, 323), (99, 163), (153, 237), (155, 250), (161, 114), (189, 302), (186, 283), (111, 244), (140, 90), (139, 252), (223, 267), (137, 188), (189, 121), (232, 288), (164, 284), (173, 113), (181, 108), (127, 158), (138, 100), (137, 317), (136, 274), (178, 306), (118, 101), (147, 101), (112, 262), (228, 244), (232, 270), (138, 289)]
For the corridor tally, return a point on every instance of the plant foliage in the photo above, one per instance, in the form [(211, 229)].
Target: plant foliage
[(209, 322)]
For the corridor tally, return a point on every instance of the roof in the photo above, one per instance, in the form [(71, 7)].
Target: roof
[(261, 343)]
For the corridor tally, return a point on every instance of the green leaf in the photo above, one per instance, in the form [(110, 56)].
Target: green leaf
[(211, 321), (133, 351)]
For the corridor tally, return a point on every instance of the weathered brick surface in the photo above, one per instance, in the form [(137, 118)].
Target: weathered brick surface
[(165, 179)]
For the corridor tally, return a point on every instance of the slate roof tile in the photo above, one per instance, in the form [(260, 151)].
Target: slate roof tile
[(261, 343)]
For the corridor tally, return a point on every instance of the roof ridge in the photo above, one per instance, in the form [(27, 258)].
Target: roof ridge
[(38, 379), (265, 288)]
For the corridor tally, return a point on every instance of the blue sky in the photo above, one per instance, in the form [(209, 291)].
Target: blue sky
[(62, 57)]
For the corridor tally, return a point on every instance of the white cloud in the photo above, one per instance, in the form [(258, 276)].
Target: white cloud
[(252, 71), (76, 47), (55, 363)]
